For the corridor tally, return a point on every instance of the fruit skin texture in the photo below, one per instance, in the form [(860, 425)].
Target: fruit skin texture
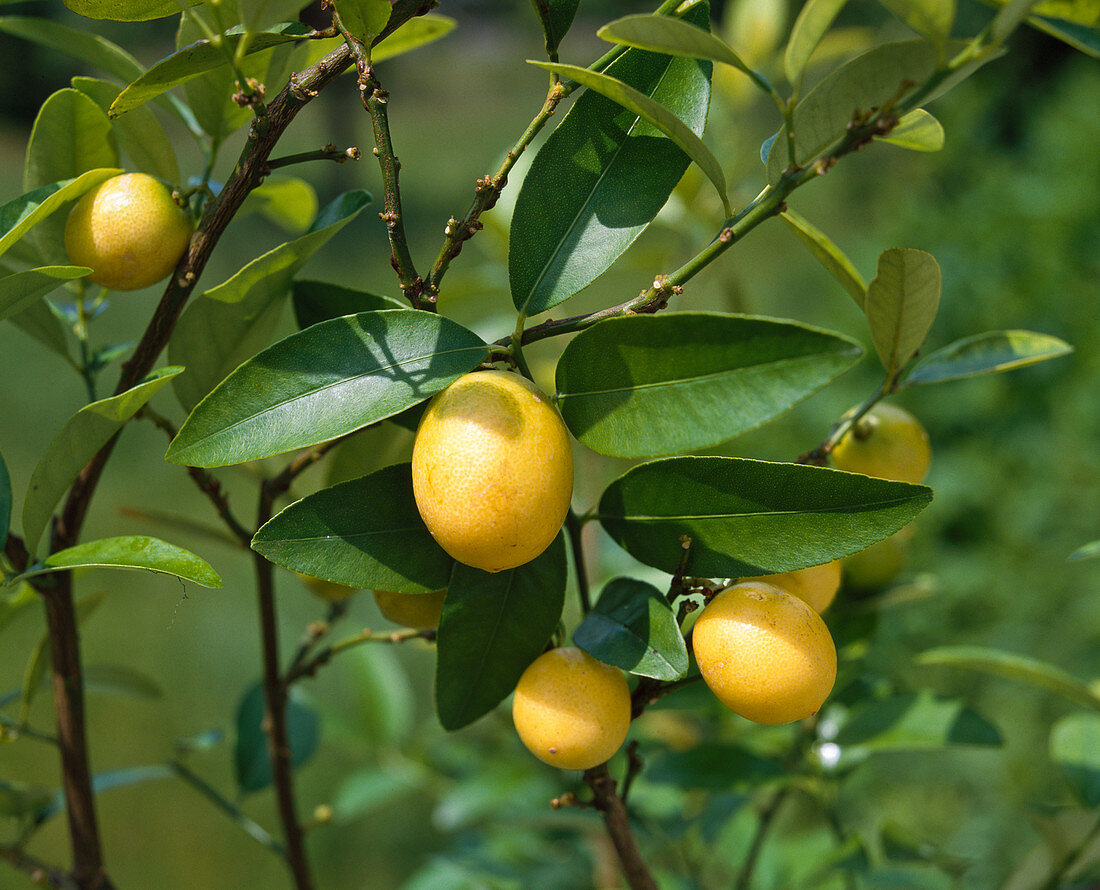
[(816, 585), (128, 231), (492, 470), (411, 609), (887, 442), (570, 710), (765, 653)]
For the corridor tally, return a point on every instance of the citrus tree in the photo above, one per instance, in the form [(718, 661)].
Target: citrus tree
[(478, 547)]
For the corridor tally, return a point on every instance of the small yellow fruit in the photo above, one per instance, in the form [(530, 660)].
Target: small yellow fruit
[(128, 231), (570, 710), (887, 442), (877, 565), (816, 585), (492, 470), (326, 590), (411, 609), (765, 653)]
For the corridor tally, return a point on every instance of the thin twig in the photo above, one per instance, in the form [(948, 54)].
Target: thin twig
[(767, 816), (329, 153), (310, 667), (280, 484), (316, 632), (615, 818), (39, 872)]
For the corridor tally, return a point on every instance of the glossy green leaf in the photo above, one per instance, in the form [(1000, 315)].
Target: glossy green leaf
[(364, 19), (830, 256), (252, 764), (5, 501), (1088, 551), (632, 627), (648, 385), (1086, 40), (120, 679), (1075, 747), (19, 290), (1014, 667), (196, 59), (317, 301), (71, 135), (601, 178), (916, 131), (653, 112), (751, 517), (988, 353), (666, 34), (902, 300), (75, 444), (326, 381), (415, 33), (931, 18), (130, 552), (140, 135), (128, 10), (287, 201), (21, 214), (40, 321), (366, 533), (712, 766), (82, 45), (555, 16), (493, 627), (814, 20)]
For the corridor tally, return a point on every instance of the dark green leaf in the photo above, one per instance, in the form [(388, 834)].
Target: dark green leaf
[(987, 353), (5, 501), (814, 20), (493, 627), (830, 256), (932, 18), (19, 290), (364, 19), (326, 381), (902, 300), (130, 552), (1014, 667), (916, 131), (20, 214), (713, 766), (122, 680), (750, 517), (75, 444), (415, 33), (555, 16), (645, 385), (600, 179), (666, 34), (251, 761), (128, 10), (1075, 747), (1086, 40), (632, 627), (366, 534), (1088, 551), (81, 45), (317, 301)]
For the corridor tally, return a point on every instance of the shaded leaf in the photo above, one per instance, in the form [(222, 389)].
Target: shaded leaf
[(714, 766), (1075, 747), (19, 215), (75, 444), (830, 256), (632, 627), (902, 300), (130, 552), (493, 627), (258, 14), (916, 131), (366, 533), (287, 201), (555, 16), (666, 34), (987, 353), (750, 517), (128, 10), (932, 18), (19, 290), (317, 301), (814, 20), (82, 45), (326, 381), (657, 384), (251, 762)]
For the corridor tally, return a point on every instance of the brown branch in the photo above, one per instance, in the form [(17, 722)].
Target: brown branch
[(39, 872), (615, 817), (302, 668)]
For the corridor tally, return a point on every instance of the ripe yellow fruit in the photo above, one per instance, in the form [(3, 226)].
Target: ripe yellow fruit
[(570, 710), (878, 565), (128, 231), (816, 585), (765, 653), (492, 470), (326, 590), (411, 609), (887, 442)]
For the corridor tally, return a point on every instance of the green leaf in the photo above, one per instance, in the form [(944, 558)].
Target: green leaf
[(71, 136), (140, 135), (255, 15), (378, 706), (40, 321), (830, 256), (601, 178), (931, 18), (75, 444), (656, 114), (18, 799), (128, 10), (1014, 667), (364, 19), (1075, 747), (287, 201), (326, 381), (317, 301), (988, 353), (814, 20), (493, 627), (1086, 40), (555, 16), (1009, 17), (251, 762), (200, 57), (19, 290), (16, 603), (34, 675), (81, 45), (119, 679), (21, 214), (1078, 12), (1088, 551), (415, 33), (645, 385), (632, 627), (5, 501), (902, 300), (130, 552), (713, 766), (751, 517), (665, 34), (364, 791), (366, 533), (916, 131)]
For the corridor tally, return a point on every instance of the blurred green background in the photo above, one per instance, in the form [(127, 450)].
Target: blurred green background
[(1010, 208)]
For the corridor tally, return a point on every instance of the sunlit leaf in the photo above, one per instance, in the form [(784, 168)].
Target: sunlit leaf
[(988, 353), (71, 135), (128, 10), (287, 201), (21, 214), (130, 552), (415, 33), (814, 20), (830, 256), (666, 34), (901, 305), (19, 290), (916, 131), (932, 18)]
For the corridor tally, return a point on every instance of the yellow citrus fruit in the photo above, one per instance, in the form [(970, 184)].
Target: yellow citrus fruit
[(765, 653), (887, 442), (128, 231), (570, 710), (816, 585), (411, 609), (492, 470), (877, 565), (326, 590)]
